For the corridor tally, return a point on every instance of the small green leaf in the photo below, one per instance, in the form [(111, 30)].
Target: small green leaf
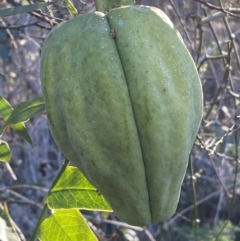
[(7, 231), (21, 129), (26, 110), (73, 190), (5, 154), (70, 7), (65, 225), (5, 111), (5, 108), (23, 9)]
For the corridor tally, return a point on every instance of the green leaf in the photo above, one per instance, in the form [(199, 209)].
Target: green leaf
[(7, 232), (70, 7), (23, 9), (5, 111), (73, 190), (65, 225), (5, 108), (21, 129), (26, 110), (5, 154)]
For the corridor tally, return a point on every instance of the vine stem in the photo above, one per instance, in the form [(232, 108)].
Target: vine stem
[(45, 209), (41, 218), (99, 5), (65, 164)]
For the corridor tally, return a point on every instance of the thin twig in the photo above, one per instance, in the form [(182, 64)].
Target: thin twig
[(193, 179), (214, 7), (25, 199), (10, 170), (24, 186), (182, 24), (18, 27), (177, 215)]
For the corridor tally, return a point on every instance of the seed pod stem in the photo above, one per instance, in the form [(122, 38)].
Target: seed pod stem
[(99, 5)]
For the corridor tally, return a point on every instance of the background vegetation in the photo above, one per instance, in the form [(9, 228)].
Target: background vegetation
[(210, 194)]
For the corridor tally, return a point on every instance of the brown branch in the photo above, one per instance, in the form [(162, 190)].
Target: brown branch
[(214, 7), (18, 27)]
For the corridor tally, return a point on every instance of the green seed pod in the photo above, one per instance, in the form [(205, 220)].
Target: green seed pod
[(124, 103)]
